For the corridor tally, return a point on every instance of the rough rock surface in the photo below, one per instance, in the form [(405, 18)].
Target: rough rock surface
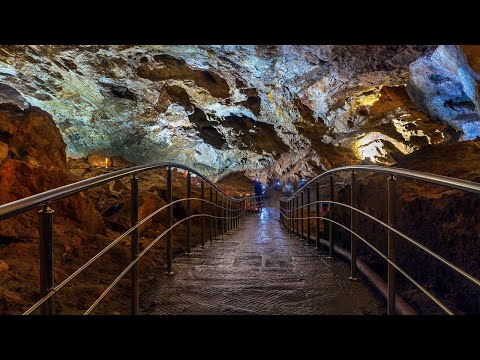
[(271, 111), (445, 87), (36, 162)]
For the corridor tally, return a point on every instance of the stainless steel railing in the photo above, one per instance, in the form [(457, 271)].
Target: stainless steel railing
[(224, 214), (292, 216)]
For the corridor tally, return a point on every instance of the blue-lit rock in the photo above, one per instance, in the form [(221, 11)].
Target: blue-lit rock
[(446, 88)]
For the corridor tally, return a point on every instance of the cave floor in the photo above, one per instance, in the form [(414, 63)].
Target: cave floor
[(259, 269)]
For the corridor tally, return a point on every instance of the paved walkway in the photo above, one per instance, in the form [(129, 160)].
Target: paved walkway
[(259, 269)]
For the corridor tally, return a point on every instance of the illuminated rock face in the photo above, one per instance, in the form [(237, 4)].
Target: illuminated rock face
[(445, 87), (270, 111)]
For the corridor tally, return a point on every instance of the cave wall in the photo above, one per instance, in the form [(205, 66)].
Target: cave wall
[(33, 160), (268, 111)]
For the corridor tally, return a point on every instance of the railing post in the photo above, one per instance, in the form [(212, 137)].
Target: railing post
[(247, 207), (235, 213), (221, 214), (189, 213), (212, 213), (228, 219), (308, 215), (243, 205), (317, 212), (297, 223), (226, 216), (169, 221), (217, 212), (330, 216), (302, 214), (238, 212), (232, 219), (202, 189), (353, 227), (281, 213), (391, 271), (292, 216), (229, 216), (46, 258), (134, 243)]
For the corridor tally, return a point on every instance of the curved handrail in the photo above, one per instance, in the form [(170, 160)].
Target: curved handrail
[(290, 217), (34, 201), (458, 184), (77, 272), (134, 261), (229, 210)]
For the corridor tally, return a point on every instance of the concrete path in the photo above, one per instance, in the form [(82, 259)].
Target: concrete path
[(259, 269)]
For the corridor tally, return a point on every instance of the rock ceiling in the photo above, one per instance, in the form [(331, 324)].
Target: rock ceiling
[(267, 110)]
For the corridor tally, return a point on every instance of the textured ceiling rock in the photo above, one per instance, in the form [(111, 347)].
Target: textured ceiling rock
[(268, 110)]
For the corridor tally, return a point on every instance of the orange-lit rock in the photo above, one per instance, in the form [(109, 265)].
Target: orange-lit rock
[(3, 151), (3, 266), (35, 163)]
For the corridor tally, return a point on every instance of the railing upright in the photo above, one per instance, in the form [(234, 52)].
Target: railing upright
[(297, 216), (169, 221), (317, 214), (46, 258), (217, 212), (202, 190), (188, 213), (302, 209), (134, 244), (292, 221), (353, 226), (308, 215), (330, 217), (391, 271), (212, 214)]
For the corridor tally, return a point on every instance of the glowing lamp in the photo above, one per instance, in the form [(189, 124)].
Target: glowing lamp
[(106, 163)]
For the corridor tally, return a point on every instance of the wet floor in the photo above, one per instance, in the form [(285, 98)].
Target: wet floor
[(259, 269)]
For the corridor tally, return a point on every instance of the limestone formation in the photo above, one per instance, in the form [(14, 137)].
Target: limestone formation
[(267, 111)]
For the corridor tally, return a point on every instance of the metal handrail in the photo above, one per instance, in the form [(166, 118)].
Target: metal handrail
[(129, 266), (290, 209), (420, 287), (406, 237), (228, 209), (46, 197), (458, 184), (77, 272)]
